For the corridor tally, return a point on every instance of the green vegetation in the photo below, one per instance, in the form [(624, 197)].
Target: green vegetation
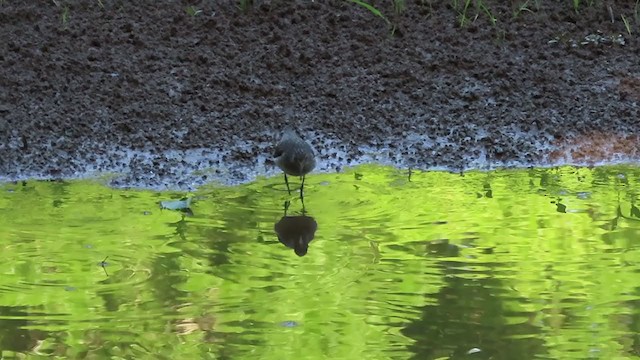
[(492, 19), (627, 26), (399, 6), (578, 3), (64, 16), (372, 9), (469, 11), (462, 9), (193, 11), (524, 7), (245, 5)]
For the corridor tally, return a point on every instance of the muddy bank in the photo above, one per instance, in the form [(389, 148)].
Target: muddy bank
[(171, 99)]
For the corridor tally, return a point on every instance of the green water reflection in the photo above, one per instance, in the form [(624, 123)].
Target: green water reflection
[(513, 264)]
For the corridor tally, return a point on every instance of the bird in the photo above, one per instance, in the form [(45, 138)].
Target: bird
[(294, 157)]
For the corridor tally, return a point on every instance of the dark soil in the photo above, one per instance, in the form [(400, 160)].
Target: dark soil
[(173, 99)]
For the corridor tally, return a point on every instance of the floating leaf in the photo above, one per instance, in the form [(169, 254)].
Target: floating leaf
[(473, 351), (181, 204)]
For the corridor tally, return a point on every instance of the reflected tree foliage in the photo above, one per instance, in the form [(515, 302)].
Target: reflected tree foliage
[(14, 335), (486, 334)]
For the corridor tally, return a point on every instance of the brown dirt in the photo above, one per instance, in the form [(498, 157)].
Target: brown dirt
[(147, 89)]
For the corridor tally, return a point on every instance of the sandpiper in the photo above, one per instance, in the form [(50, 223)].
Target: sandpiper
[(294, 157)]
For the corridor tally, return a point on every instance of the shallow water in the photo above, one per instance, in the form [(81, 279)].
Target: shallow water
[(511, 264)]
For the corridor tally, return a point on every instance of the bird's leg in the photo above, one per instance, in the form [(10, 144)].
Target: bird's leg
[(286, 181), (302, 188), (286, 206)]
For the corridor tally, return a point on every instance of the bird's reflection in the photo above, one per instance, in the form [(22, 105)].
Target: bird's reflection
[(296, 232)]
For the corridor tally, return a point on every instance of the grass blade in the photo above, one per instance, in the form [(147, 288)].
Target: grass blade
[(372, 9)]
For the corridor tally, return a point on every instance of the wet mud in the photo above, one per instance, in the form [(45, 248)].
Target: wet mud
[(180, 94)]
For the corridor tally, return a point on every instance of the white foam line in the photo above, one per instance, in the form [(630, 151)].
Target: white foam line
[(189, 169)]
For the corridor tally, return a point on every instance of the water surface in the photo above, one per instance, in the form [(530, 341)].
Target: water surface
[(509, 264)]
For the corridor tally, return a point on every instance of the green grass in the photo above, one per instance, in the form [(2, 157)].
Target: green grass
[(524, 7), (371, 8), (64, 17), (245, 5), (463, 12), (378, 13), (399, 6), (468, 11), (578, 3), (193, 11), (627, 26), (492, 19), (467, 15)]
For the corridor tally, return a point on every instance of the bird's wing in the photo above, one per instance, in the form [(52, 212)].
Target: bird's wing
[(277, 152)]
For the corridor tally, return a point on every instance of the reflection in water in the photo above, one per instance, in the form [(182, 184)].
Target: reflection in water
[(103, 264), (438, 332), (14, 332), (442, 266), (443, 248), (183, 205), (560, 207), (296, 232)]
